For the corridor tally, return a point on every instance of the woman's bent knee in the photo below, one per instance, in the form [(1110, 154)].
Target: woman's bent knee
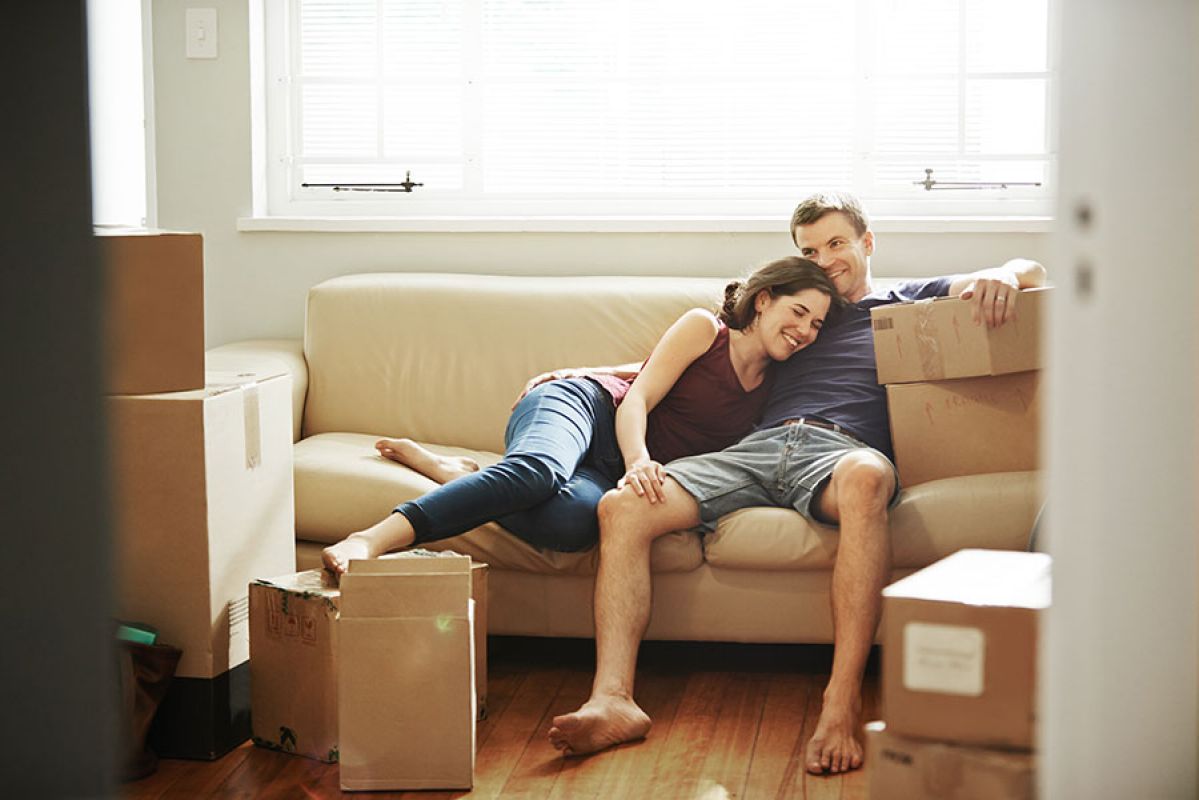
[(534, 477)]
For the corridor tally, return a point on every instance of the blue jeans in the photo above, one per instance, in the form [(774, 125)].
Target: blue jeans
[(560, 456)]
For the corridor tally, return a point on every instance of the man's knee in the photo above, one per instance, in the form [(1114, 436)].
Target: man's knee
[(624, 515), (617, 506), (863, 481)]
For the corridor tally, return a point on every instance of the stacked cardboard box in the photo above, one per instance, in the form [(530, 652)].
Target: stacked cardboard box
[(201, 472), (959, 679), (153, 310), (964, 399), (294, 657)]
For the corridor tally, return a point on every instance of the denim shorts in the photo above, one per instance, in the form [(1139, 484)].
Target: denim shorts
[(785, 466)]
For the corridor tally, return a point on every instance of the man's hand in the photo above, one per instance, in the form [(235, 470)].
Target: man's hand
[(646, 478), (994, 292), (993, 300)]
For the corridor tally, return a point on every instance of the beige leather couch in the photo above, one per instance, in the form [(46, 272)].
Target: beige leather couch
[(441, 358)]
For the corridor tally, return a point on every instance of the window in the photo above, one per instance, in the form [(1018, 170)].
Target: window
[(724, 109), (120, 141)]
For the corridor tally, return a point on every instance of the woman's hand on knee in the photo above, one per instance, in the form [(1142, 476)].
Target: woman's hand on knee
[(646, 479)]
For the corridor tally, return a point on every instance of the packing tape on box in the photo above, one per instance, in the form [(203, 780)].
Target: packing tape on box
[(253, 426), (932, 360), (250, 414)]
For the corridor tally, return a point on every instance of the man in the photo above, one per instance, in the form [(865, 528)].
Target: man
[(826, 431)]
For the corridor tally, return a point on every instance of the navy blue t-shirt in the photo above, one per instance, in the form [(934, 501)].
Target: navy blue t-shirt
[(835, 377)]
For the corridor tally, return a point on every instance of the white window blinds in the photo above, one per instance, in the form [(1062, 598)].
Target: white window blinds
[(631, 108)]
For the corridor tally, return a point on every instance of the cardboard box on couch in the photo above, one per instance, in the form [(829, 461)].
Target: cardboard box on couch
[(153, 310), (933, 340), (960, 648), (294, 658), (406, 695), (202, 489), (967, 426), (903, 768)]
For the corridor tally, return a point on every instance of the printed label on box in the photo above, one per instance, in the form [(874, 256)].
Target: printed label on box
[(943, 658)]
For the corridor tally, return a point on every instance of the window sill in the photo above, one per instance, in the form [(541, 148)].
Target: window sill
[(624, 225)]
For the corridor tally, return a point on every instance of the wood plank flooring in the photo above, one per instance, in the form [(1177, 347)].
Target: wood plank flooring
[(730, 721)]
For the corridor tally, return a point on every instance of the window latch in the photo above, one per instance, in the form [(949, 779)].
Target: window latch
[(929, 184), (406, 185)]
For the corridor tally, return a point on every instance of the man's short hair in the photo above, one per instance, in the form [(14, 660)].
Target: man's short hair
[(814, 207)]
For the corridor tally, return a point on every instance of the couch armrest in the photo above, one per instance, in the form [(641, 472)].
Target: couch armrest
[(256, 354)]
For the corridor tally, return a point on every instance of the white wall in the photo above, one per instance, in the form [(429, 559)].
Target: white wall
[(1120, 707), (256, 282)]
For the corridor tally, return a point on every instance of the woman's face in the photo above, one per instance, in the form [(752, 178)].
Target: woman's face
[(789, 323)]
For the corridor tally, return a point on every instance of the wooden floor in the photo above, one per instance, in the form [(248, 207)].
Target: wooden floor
[(730, 721)]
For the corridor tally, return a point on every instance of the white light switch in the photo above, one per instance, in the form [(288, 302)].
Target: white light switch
[(201, 33)]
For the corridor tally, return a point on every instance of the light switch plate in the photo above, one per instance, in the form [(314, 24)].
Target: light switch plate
[(201, 33)]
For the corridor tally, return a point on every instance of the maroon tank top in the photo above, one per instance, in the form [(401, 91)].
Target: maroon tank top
[(707, 409)]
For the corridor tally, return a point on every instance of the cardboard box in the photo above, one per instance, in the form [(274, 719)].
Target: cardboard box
[(969, 426), (932, 340), (202, 501), (902, 768), (406, 695), (153, 310), (960, 648), (478, 594), (293, 658), (293, 664)]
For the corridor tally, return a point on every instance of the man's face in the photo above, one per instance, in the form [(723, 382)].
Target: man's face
[(836, 247)]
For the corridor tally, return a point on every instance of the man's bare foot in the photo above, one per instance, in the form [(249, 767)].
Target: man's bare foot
[(603, 721), (835, 746), (442, 469), (390, 533)]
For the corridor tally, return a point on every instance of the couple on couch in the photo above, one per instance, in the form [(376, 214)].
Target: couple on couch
[(586, 449)]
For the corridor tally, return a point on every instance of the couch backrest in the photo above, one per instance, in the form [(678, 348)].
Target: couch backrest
[(441, 358)]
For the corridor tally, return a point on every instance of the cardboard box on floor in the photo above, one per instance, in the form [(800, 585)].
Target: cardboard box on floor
[(153, 310), (202, 501), (960, 648), (293, 664), (406, 695), (933, 340), (293, 658), (967, 426), (903, 768)]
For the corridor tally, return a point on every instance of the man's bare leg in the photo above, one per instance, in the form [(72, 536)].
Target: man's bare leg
[(442, 469), (857, 496), (623, 594), (385, 535)]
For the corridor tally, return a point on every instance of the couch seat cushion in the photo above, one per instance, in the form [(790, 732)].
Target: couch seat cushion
[(344, 485), (931, 521)]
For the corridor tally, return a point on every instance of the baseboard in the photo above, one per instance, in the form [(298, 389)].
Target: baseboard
[(203, 718)]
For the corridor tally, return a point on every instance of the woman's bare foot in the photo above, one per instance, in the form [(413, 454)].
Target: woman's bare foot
[(442, 469), (603, 721), (388, 534), (835, 746)]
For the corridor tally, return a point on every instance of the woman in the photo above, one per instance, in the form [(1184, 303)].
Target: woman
[(567, 443)]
